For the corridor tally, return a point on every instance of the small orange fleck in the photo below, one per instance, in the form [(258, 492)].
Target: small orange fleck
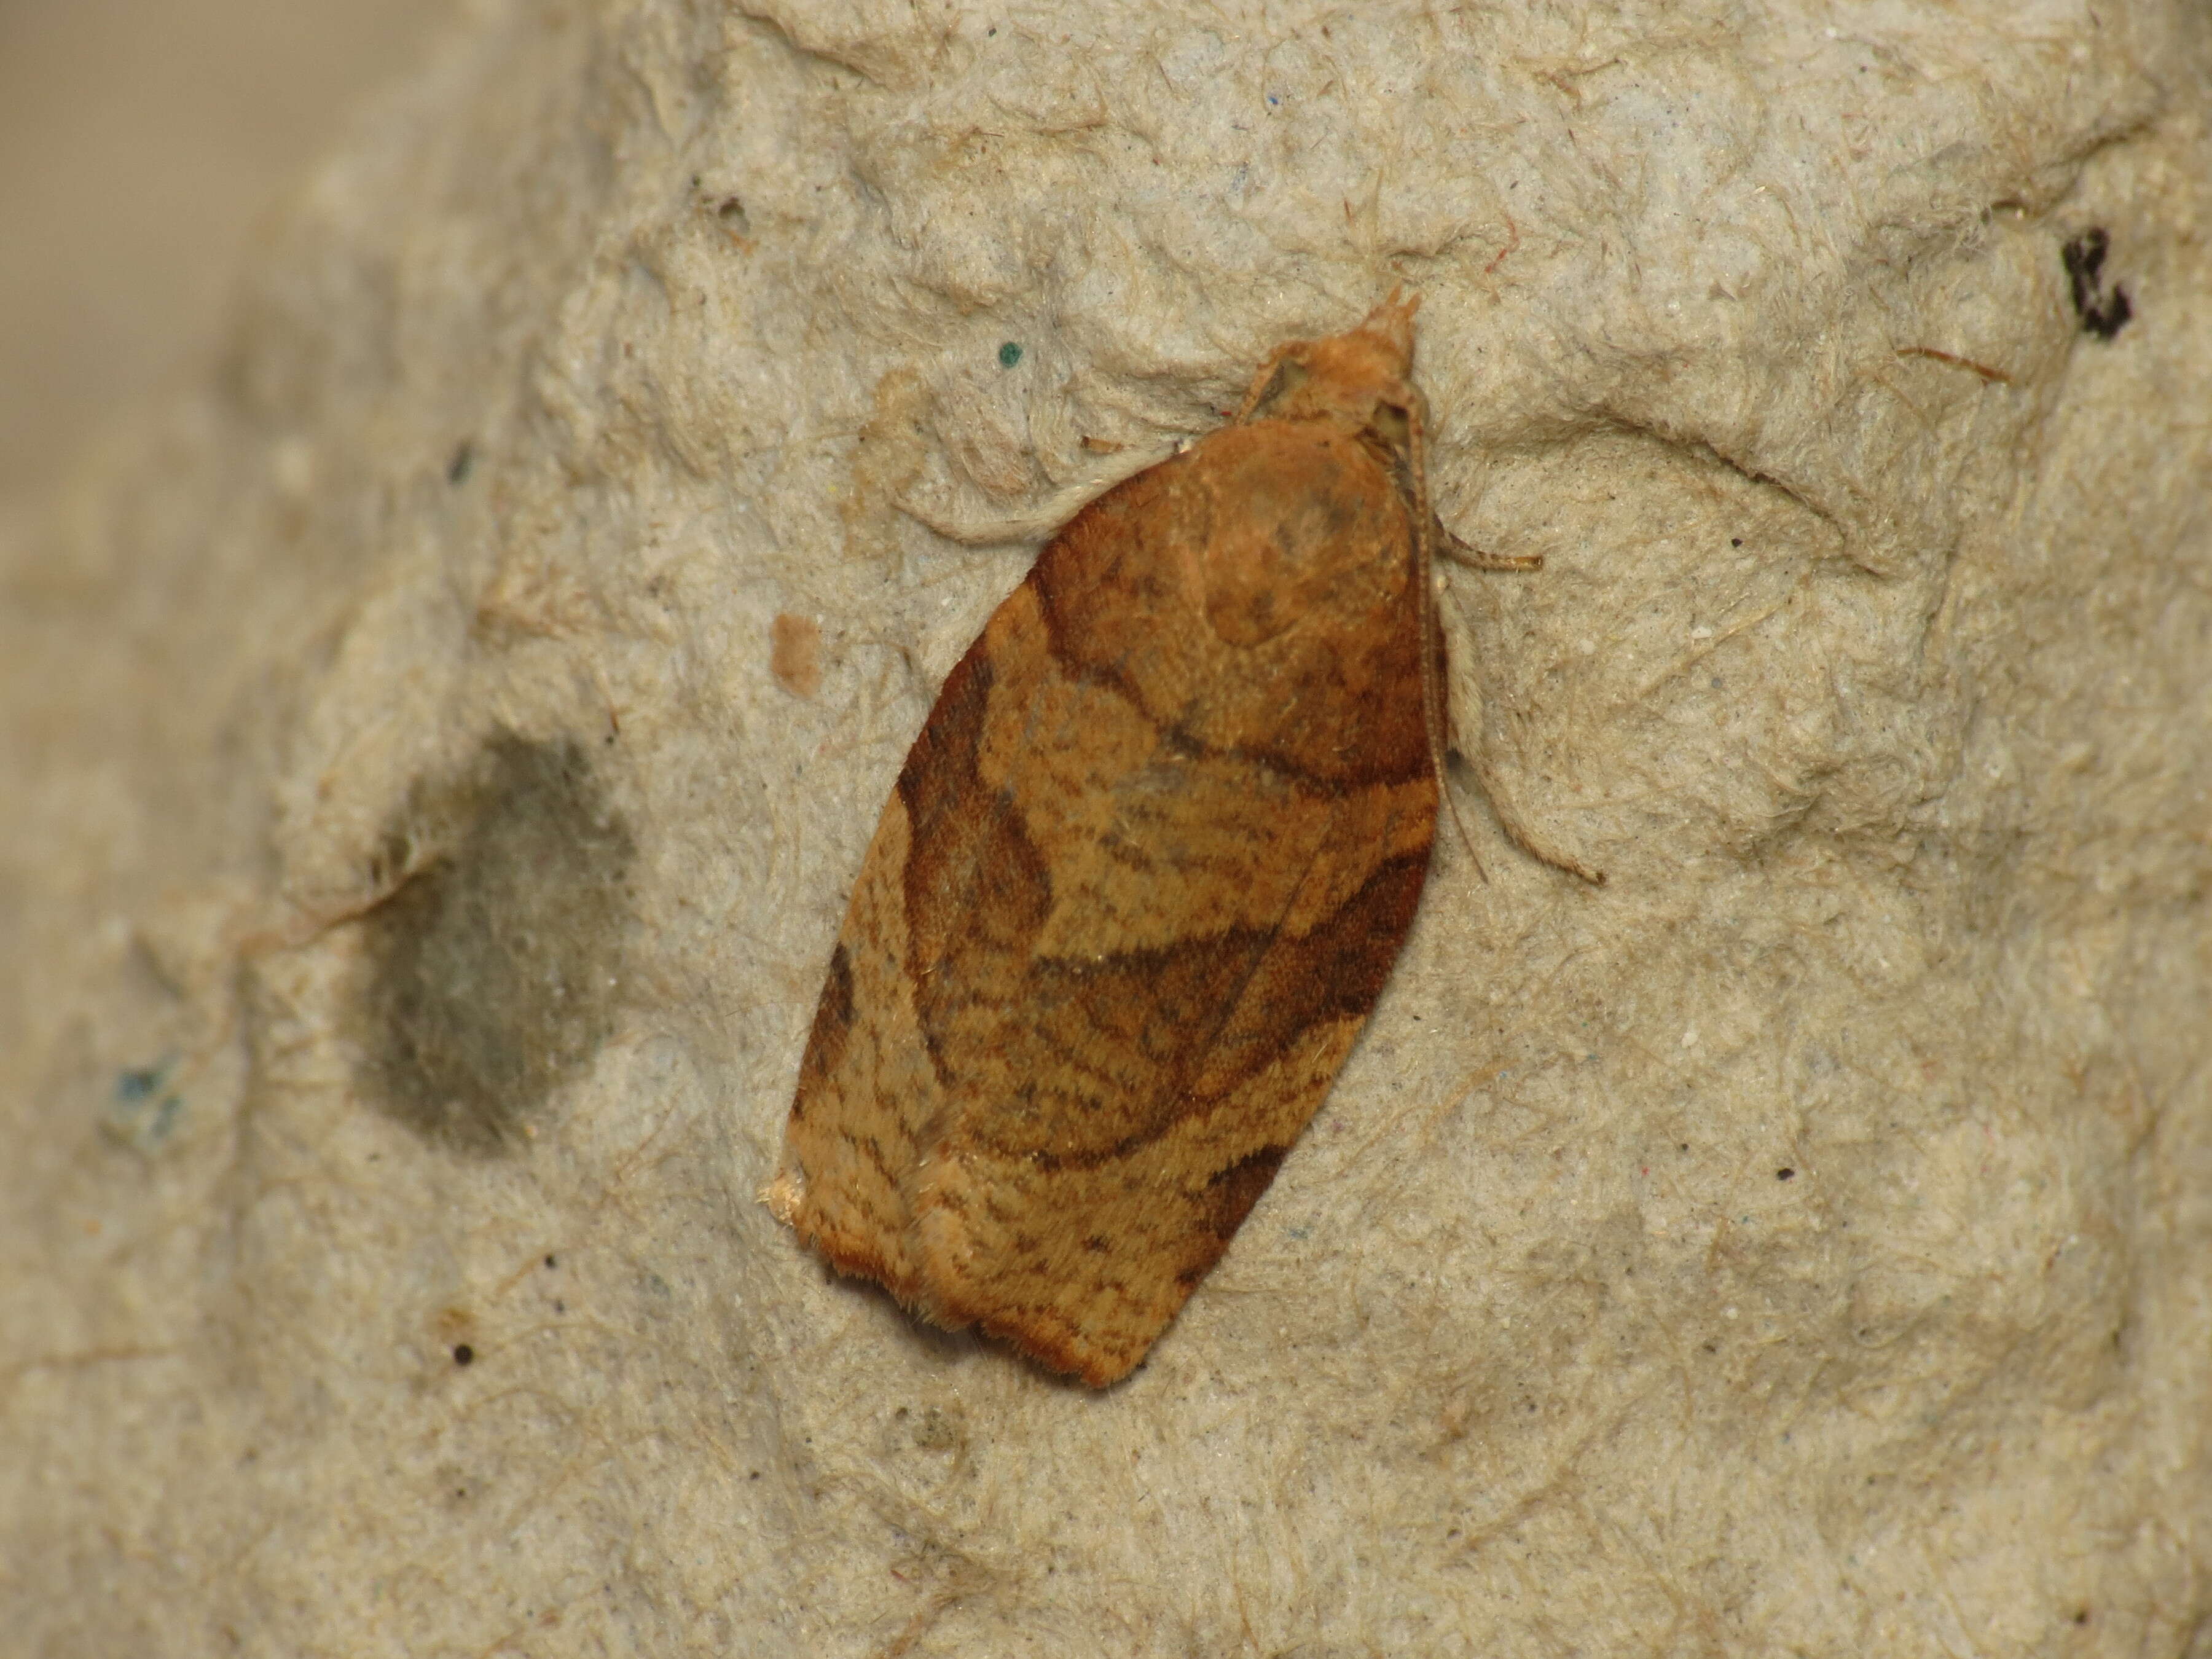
[(794, 654)]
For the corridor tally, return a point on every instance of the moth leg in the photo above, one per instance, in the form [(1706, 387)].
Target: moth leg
[(1465, 553), (1517, 828), (1518, 832), (1263, 378)]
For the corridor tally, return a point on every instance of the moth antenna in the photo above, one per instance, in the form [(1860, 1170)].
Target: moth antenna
[(1433, 633), (1040, 519)]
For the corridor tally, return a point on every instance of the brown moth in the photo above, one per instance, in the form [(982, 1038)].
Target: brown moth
[(1144, 875)]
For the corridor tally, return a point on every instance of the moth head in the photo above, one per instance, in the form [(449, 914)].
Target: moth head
[(1363, 378)]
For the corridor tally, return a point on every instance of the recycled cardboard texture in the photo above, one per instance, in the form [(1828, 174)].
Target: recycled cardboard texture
[(417, 880)]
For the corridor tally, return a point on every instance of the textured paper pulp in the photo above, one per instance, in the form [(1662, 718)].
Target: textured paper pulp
[(418, 881)]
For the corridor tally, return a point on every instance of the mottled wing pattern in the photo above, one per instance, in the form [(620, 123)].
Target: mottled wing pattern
[(1144, 875)]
